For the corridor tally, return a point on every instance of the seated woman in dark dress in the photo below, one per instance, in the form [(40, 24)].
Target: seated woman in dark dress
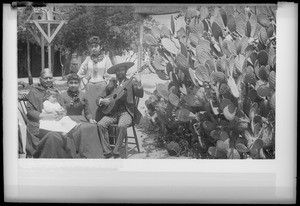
[(42, 143), (85, 135)]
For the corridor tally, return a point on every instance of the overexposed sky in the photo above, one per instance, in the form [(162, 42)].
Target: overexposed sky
[(166, 20)]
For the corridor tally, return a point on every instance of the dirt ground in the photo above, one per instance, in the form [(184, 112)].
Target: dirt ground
[(146, 141)]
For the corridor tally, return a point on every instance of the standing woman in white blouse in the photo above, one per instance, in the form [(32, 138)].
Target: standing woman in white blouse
[(93, 74)]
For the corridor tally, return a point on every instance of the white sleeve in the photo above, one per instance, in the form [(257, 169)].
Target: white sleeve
[(108, 64)]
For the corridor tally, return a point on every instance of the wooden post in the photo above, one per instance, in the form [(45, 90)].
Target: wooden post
[(49, 45), (30, 80), (49, 57), (52, 58), (140, 45), (42, 52)]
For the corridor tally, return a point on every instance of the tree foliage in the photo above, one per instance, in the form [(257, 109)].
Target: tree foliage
[(117, 27)]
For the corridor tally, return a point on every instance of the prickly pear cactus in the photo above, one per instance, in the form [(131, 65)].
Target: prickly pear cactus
[(220, 73)]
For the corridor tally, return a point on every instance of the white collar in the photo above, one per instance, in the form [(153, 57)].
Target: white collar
[(120, 83)]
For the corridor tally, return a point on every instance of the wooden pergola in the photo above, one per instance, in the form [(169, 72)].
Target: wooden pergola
[(143, 12), (53, 22)]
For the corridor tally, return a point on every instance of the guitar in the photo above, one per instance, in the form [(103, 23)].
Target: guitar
[(118, 93)]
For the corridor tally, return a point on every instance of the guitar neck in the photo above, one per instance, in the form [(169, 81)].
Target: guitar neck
[(127, 82), (131, 78)]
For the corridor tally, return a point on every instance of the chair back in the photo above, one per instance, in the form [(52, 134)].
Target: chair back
[(22, 125), (22, 108)]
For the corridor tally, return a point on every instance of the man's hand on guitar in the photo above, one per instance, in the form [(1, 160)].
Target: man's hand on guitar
[(105, 101), (138, 78)]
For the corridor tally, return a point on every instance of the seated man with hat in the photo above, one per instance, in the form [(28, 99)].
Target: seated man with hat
[(124, 111)]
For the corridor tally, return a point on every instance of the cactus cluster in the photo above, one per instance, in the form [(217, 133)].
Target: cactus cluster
[(220, 73)]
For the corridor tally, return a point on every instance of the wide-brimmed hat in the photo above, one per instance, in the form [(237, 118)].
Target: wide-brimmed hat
[(119, 62)]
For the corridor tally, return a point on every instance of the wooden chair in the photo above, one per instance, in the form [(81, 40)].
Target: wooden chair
[(22, 127), (29, 140), (112, 131)]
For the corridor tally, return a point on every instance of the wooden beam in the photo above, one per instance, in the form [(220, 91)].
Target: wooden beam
[(158, 10), (42, 31), (49, 12), (46, 21), (49, 48), (49, 58), (42, 52), (48, 36), (30, 80), (35, 36), (56, 31), (58, 14), (140, 45), (29, 16), (48, 30)]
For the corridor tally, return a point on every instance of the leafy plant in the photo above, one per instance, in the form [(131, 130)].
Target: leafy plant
[(220, 73)]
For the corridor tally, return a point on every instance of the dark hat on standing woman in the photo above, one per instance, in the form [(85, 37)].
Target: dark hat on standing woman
[(94, 40)]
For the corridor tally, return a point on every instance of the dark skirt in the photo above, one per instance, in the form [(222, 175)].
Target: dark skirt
[(87, 141), (81, 142), (86, 138), (54, 145), (93, 91)]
